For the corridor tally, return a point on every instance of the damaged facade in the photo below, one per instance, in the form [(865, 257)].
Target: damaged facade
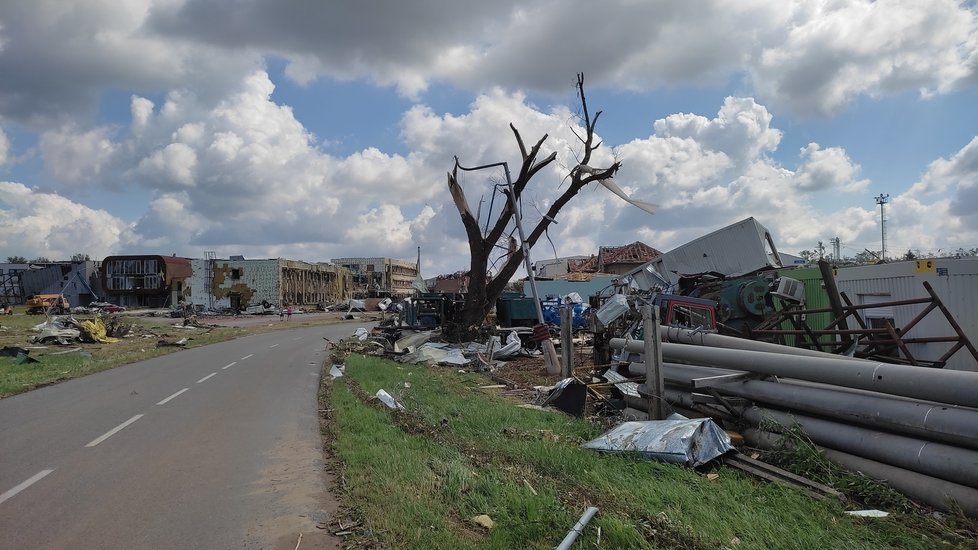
[(145, 280), (11, 291), (78, 281), (380, 277), (238, 284)]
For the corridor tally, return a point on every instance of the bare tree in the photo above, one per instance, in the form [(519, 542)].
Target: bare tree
[(483, 288)]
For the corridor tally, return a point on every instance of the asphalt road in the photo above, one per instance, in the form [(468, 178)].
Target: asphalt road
[(212, 447)]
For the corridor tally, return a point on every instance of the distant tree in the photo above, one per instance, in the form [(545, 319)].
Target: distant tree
[(16, 260), (40, 260), (909, 255), (79, 257), (808, 255), (866, 257)]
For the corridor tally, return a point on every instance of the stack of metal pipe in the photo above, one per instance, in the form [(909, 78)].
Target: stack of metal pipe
[(915, 428)]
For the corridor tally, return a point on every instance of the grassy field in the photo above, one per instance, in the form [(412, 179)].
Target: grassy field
[(57, 363), (418, 478)]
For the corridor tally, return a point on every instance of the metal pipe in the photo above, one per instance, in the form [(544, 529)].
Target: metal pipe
[(922, 488), (933, 459), (943, 386), (931, 421), (578, 527), (686, 336)]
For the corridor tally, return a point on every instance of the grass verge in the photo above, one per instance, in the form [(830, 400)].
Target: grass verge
[(54, 366), (418, 478)]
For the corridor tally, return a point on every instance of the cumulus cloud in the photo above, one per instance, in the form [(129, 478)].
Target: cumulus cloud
[(76, 156), (827, 169), (34, 223), (65, 53), (812, 57), (833, 51), (240, 174), (4, 147), (741, 130), (952, 185)]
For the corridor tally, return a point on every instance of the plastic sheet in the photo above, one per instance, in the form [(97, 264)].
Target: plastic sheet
[(388, 400)]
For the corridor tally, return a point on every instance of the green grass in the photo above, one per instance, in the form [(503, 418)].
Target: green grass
[(53, 368), (418, 477)]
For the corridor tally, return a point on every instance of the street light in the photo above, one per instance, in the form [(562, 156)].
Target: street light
[(882, 200)]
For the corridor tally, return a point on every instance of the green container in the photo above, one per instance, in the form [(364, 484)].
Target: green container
[(516, 311)]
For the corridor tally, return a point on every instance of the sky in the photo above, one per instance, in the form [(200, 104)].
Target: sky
[(317, 130)]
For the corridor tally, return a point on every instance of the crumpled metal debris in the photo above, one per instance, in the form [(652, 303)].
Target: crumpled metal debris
[(568, 395), (59, 329), (434, 353), (677, 440)]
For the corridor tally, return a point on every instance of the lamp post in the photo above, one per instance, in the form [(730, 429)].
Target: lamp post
[(882, 200)]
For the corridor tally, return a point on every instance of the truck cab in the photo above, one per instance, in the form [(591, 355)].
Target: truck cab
[(686, 312)]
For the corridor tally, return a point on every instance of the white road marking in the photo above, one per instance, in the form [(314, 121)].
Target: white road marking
[(229, 365), (206, 377), (273, 345), (174, 396), (33, 479), (247, 356), (113, 431), (298, 338)]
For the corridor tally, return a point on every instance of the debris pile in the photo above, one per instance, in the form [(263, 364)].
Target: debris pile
[(914, 428)]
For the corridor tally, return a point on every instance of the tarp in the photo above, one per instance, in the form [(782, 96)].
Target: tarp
[(94, 330), (679, 441)]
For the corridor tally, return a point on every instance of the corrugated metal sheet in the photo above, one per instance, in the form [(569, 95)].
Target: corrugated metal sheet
[(737, 249)]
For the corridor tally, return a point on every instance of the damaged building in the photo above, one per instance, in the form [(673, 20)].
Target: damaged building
[(612, 260), (616, 260), (239, 283), (380, 277), (145, 280), (77, 281)]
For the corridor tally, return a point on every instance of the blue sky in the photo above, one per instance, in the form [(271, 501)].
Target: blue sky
[(311, 131)]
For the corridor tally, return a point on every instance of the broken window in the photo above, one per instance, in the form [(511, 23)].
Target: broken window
[(691, 316), (236, 273)]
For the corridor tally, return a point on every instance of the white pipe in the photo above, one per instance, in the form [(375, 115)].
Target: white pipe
[(578, 527)]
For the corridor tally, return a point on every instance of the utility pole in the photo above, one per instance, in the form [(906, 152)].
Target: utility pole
[(836, 249), (821, 250), (882, 200)]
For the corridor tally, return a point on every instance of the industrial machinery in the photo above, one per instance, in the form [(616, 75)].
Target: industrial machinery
[(39, 303)]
